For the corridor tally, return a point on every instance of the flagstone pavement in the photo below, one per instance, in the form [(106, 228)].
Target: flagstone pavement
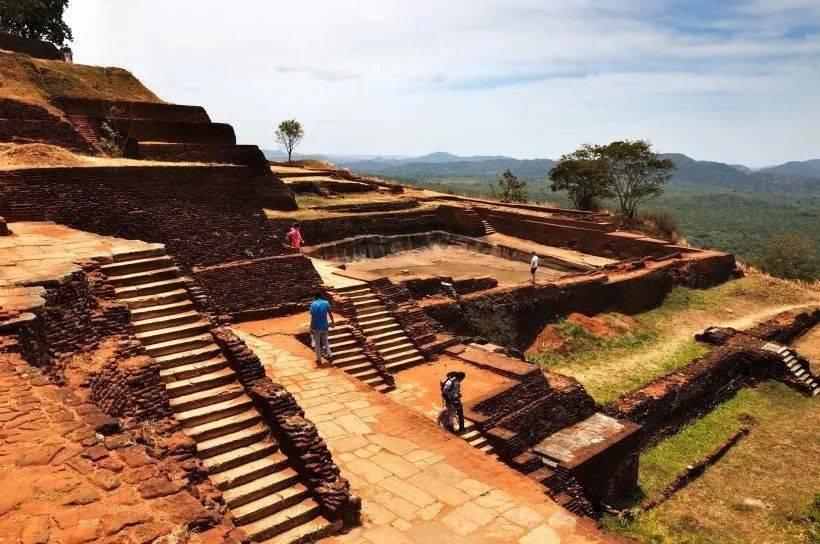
[(418, 483)]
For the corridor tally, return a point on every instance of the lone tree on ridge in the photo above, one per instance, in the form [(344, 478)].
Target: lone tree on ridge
[(288, 135), (582, 175), (35, 19), (634, 172), (510, 188)]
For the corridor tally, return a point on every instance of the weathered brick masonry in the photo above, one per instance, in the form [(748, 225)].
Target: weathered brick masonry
[(204, 215), (298, 436)]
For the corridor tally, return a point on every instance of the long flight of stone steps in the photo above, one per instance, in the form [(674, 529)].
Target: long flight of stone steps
[(258, 482), (798, 367), (380, 327), (488, 228)]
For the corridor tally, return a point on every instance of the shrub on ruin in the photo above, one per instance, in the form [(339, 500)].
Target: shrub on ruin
[(660, 224), (35, 19), (509, 188), (110, 140), (789, 256)]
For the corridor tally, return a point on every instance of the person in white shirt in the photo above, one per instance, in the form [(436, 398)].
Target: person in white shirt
[(534, 267)]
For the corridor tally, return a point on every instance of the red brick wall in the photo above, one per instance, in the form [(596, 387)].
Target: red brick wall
[(132, 110), (204, 215), (260, 287), (177, 132), (247, 155)]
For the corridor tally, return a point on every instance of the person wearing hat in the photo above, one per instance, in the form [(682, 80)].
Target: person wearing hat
[(451, 393)]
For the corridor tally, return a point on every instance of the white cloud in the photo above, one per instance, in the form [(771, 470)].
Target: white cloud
[(523, 78)]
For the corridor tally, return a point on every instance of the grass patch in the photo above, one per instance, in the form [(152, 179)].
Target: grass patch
[(764, 490)]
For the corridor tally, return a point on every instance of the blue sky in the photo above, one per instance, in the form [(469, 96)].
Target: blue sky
[(734, 81)]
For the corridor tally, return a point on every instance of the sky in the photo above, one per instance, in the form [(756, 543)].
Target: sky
[(734, 81)]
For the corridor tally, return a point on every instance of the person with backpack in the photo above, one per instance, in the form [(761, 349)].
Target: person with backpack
[(451, 393)]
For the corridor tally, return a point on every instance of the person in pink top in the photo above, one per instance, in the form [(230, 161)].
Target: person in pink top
[(294, 237)]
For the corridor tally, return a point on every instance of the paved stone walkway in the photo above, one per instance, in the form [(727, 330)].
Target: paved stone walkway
[(418, 483)]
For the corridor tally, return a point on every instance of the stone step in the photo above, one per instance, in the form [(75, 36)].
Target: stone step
[(387, 336), (402, 364), (220, 410), (353, 290), (192, 370), (344, 361), (224, 426), (396, 348), (218, 450), (370, 322), (172, 333), (240, 455), (401, 355), (366, 303), (383, 326), (156, 251), (369, 313), (210, 380), (343, 335), (164, 321), (362, 295), (179, 358), (179, 345), (144, 276), (375, 381), (364, 373), (247, 472), (382, 387), (155, 299), (270, 504), (157, 287), (136, 265), (270, 483), (341, 344), (306, 533), (150, 312), (357, 367), (206, 397), (391, 342), (282, 521)]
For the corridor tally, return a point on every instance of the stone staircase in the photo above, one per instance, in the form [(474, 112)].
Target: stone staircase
[(349, 356), (798, 368), (258, 481), (488, 228), (380, 327), (473, 437), (562, 487)]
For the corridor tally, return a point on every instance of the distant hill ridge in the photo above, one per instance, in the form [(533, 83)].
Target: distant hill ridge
[(799, 176)]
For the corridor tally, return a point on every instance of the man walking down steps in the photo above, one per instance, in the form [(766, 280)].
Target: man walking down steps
[(319, 312)]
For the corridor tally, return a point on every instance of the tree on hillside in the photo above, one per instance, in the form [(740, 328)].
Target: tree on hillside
[(35, 19), (789, 256), (510, 188), (582, 175), (634, 172), (288, 135)]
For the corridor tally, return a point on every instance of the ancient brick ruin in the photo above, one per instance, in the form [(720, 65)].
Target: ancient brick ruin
[(125, 286)]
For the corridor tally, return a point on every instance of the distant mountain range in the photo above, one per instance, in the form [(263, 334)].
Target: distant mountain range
[(794, 175)]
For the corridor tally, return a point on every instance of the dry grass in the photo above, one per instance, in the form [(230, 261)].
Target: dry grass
[(39, 80), (610, 369), (763, 491)]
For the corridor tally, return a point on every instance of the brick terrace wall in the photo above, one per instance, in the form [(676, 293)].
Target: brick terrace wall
[(370, 207), (318, 231), (461, 220), (247, 155), (668, 402), (204, 215), (515, 316), (785, 327), (144, 130), (132, 110), (18, 109), (34, 48), (551, 232), (54, 132), (260, 287)]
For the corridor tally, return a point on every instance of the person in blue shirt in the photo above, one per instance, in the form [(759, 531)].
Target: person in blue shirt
[(319, 313)]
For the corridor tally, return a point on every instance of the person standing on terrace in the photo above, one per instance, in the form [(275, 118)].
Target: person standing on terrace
[(533, 266), (294, 237), (319, 312)]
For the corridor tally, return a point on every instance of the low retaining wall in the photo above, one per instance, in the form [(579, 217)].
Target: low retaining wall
[(257, 288), (145, 130), (515, 316)]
